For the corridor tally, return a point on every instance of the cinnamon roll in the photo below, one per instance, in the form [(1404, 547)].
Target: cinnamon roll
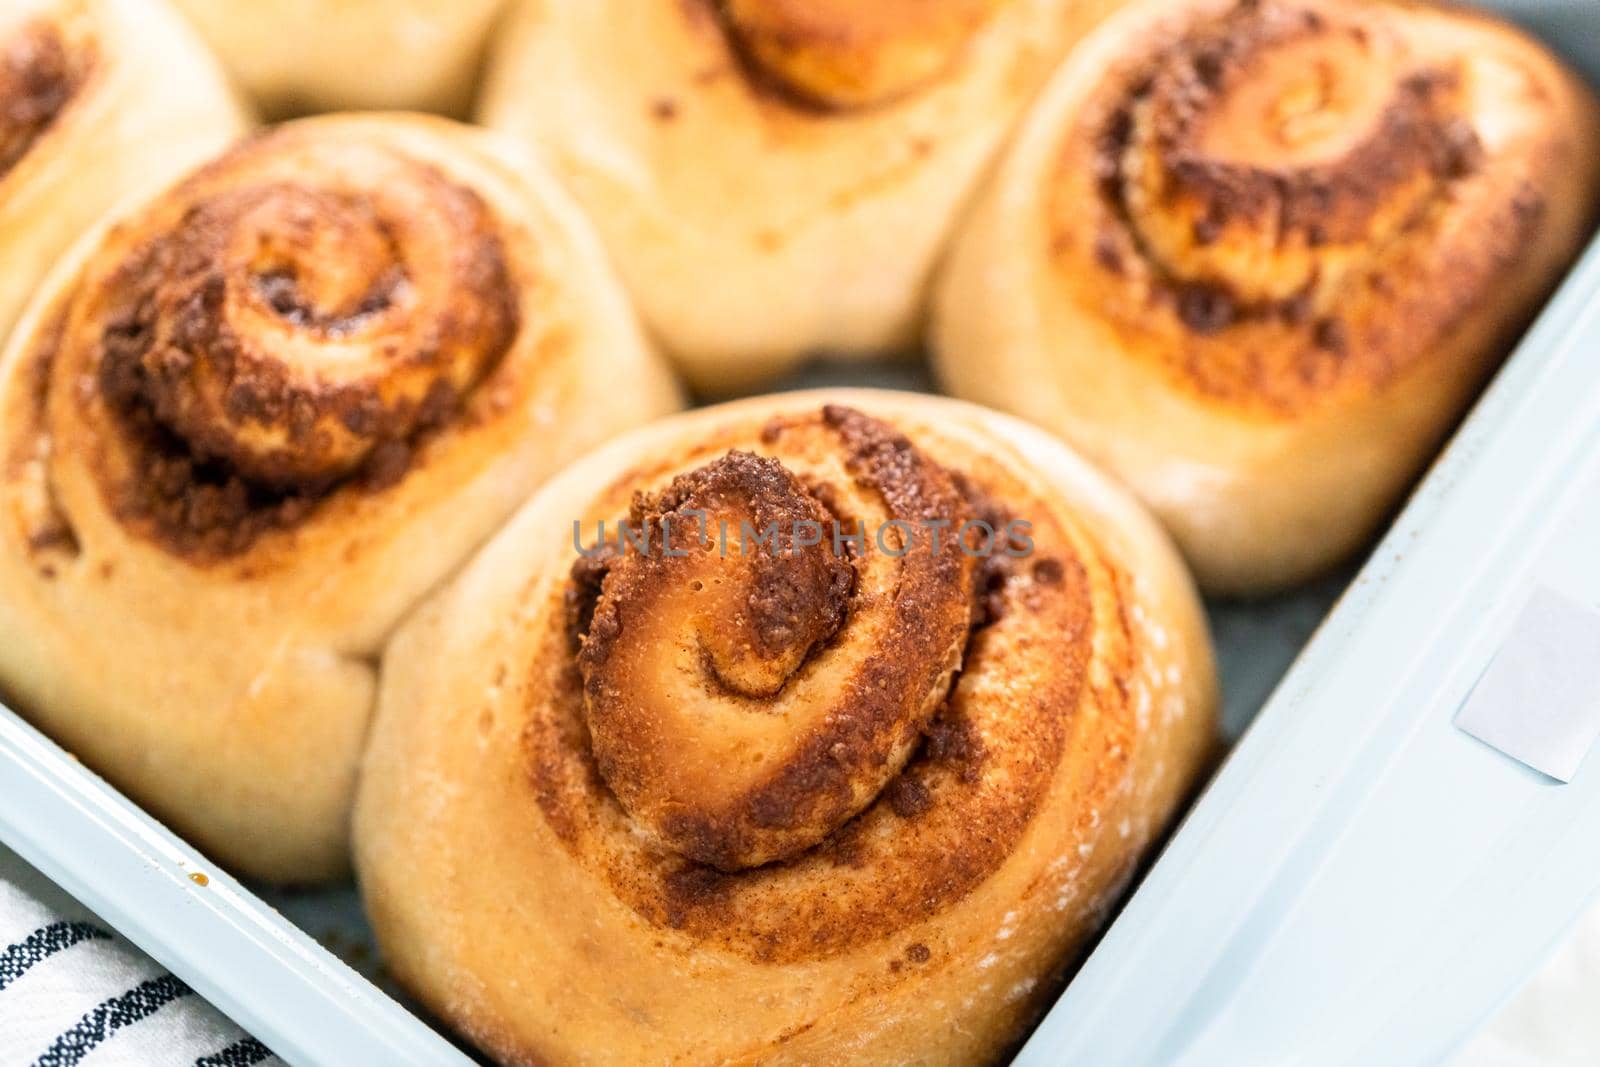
[(836, 750), (99, 100), (300, 56), (1256, 256), (247, 427), (773, 177)]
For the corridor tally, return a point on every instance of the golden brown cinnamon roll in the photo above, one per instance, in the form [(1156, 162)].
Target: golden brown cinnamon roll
[(249, 426), (773, 177), (836, 752), (99, 100), (1255, 258), (299, 56)]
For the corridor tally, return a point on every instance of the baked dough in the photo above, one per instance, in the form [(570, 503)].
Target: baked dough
[(300, 56), (774, 177), (245, 429), (1256, 257), (100, 100), (783, 802)]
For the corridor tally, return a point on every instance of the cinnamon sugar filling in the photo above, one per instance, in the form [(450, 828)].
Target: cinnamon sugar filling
[(855, 664), (276, 340)]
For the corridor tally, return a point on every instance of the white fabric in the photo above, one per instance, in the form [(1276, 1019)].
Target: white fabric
[(75, 994), (1554, 1021)]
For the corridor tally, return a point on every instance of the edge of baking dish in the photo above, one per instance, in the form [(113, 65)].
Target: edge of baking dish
[(1363, 882), (1263, 933), (265, 973)]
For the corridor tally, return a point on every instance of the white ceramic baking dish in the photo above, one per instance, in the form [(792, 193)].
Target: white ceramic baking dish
[(1361, 882)]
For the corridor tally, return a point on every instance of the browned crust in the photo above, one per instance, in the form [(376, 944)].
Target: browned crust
[(781, 606), (838, 57), (794, 601), (188, 333), (41, 73), (958, 806), (1275, 286)]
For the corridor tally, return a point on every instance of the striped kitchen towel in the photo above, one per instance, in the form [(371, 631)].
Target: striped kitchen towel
[(73, 992)]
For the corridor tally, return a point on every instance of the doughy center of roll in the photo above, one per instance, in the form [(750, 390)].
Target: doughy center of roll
[(39, 73), (1269, 151), (299, 316), (841, 54), (752, 680)]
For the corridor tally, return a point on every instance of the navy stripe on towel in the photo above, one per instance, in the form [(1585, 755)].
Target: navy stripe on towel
[(111, 1015), (44, 943), (239, 1054)]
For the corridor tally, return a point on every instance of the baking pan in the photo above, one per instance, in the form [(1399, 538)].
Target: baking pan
[(1361, 882), (1364, 882)]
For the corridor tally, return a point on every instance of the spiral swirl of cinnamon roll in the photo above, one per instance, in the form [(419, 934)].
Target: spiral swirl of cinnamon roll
[(755, 620), (844, 55), (99, 99), (251, 423), (1272, 248), (803, 161), (870, 703), (40, 72), (302, 311)]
